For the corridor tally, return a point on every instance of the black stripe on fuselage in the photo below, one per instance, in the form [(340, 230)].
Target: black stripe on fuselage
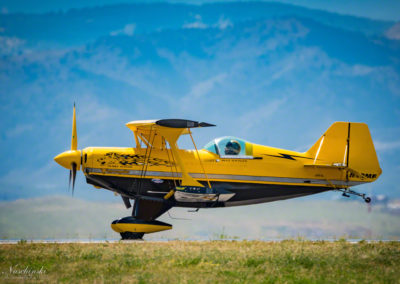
[(287, 156), (245, 193)]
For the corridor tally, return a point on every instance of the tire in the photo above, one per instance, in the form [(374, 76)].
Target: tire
[(131, 236)]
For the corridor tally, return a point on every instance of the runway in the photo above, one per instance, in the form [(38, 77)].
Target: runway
[(103, 241)]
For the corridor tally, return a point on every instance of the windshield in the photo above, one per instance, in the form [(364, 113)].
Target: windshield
[(210, 146), (229, 146)]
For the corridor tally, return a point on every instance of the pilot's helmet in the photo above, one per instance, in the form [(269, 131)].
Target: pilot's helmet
[(232, 148)]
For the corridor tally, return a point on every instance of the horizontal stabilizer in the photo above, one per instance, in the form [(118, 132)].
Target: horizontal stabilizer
[(339, 166), (353, 173)]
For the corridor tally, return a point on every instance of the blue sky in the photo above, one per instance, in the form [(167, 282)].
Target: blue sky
[(273, 75)]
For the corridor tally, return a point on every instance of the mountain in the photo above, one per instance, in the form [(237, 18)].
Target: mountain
[(79, 26), (271, 73)]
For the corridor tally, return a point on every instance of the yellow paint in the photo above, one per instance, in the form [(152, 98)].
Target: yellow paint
[(169, 194), (66, 159), (74, 139), (343, 156), (356, 155), (327, 155), (249, 149), (172, 135), (138, 228)]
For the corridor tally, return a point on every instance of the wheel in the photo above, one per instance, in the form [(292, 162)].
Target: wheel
[(367, 199), (131, 236)]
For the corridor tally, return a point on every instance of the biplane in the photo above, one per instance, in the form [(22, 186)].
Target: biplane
[(228, 171)]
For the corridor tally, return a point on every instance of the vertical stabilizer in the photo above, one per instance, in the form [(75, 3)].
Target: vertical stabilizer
[(347, 144)]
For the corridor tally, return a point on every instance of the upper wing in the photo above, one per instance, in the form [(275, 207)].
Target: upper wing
[(154, 133), (151, 132)]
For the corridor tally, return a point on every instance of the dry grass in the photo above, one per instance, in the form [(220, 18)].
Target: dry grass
[(204, 262)]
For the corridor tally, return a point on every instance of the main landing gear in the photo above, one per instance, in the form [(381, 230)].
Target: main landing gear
[(143, 220), (348, 192), (131, 228)]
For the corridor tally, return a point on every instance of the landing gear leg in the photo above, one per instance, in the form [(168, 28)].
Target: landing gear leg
[(131, 236)]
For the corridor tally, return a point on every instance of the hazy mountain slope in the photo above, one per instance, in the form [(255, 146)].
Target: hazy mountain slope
[(76, 27), (279, 81), (63, 217)]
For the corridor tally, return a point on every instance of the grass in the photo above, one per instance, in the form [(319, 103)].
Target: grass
[(203, 262)]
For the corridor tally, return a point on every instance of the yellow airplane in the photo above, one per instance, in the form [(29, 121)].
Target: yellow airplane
[(228, 171)]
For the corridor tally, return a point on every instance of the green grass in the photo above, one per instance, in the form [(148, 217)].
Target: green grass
[(204, 262)]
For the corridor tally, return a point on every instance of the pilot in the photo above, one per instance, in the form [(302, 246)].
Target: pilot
[(232, 148)]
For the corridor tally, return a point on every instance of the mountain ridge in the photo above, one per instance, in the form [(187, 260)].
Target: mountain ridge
[(66, 27)]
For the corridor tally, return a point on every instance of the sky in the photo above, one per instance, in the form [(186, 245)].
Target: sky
[(272, 74)]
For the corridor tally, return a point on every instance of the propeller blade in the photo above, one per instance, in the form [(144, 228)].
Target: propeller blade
[(71, 159), (74, 146), (70, 177), (73, 177), (74, 139)]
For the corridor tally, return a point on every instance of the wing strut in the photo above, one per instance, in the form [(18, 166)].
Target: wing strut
[(201, 163), (172, 163), (146, 160), (172, 135)]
